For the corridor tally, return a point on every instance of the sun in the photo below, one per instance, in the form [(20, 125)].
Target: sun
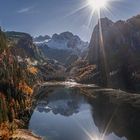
[(98, 4)]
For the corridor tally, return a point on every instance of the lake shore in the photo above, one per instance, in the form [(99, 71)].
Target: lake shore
[(93, 92), (25, 135)]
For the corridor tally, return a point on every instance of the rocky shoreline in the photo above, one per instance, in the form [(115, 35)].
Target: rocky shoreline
[(23, 134)]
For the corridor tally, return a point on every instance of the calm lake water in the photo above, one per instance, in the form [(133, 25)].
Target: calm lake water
[(65, 113)]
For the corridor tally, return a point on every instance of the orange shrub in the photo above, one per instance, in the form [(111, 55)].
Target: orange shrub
[(32, 70), (25, 88)]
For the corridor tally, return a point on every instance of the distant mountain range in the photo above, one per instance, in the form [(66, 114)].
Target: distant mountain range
[(61, 46)]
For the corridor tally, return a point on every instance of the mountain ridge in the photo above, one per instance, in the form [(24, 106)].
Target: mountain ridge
[(122, 49)]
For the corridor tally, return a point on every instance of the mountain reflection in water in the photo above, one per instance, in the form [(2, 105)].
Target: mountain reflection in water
[(63, 113)]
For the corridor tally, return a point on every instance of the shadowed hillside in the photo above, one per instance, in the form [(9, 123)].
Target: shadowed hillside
[(117, 56)]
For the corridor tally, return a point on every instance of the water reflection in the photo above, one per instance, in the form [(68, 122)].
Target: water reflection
[(61, 101), (119, 115), (66, 114)]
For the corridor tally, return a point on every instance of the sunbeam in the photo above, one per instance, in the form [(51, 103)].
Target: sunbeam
[(102, 54), (95, 6)]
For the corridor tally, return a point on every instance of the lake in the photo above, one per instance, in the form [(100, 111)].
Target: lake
[(63, 112)]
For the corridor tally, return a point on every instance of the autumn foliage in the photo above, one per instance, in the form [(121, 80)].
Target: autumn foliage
[(32, 70), (25, 88), (14, 88)]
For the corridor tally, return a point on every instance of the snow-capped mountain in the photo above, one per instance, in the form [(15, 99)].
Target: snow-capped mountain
[(41, 38), (62, 46), (64, 41)]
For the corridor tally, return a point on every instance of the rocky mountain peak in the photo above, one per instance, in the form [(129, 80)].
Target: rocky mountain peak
[(41, 38), (18, 35), (66, 41), (106, 22), (64, 36), (23, 45)]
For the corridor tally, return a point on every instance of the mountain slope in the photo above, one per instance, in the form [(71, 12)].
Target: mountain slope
[(22, 45), (29, 55), (16, 83), (120, 67)]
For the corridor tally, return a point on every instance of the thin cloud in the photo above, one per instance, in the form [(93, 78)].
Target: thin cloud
[(25, 10)]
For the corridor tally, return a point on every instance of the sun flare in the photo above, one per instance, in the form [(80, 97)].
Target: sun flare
[(98, 4)]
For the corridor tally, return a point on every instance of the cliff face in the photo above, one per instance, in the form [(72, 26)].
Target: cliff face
[(22, 46), (15, 88), (121, 46), (21, 67)]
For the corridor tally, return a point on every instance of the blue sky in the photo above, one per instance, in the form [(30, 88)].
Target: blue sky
[(55, 16)]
